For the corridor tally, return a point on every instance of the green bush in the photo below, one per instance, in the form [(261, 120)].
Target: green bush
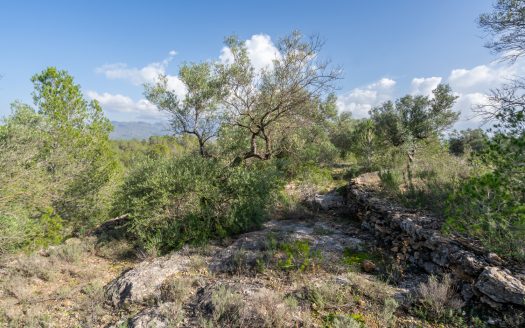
[(191, 200), (490, 207), (23, 232)]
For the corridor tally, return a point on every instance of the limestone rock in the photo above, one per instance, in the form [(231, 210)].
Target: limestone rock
[(500, 286), (142, 283), (164, 316), (329, 201)]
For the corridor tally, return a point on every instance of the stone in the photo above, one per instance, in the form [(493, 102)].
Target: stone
[(368, 266), (165, 315), (494, 259), (500, 286), (143, 282), (467, 292), (329, 201)]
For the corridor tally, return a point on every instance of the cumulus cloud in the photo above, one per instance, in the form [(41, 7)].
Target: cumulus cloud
[(466, 105), (146, 74), (485, 77), (424, 85), (120, 104), (261, 51), (360, 101)]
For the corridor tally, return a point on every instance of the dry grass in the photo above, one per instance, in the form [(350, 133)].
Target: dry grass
[(438, 297), (57, 287)]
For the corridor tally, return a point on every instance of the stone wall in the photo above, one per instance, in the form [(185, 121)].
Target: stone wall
[(414, 240)]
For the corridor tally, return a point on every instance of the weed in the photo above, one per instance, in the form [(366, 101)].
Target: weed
[(438, 300), (228, 308), (298, 255)]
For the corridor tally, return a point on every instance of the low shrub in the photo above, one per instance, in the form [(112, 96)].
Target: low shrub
[(190, 200), (438, 300)]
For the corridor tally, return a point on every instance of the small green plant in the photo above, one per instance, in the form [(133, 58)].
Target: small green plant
[(336, 320), (354, 258), (298, 255)]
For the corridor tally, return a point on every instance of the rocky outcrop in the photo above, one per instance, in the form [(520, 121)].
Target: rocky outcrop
[(326, 239), (143, 282), (414, 239)]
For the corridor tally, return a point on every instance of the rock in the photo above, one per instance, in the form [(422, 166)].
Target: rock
[(468, 263), (329, 201), (164, 316), (500, 286), (368, 266), (494, 259), (142, 283), (432, 267), (467, 292)]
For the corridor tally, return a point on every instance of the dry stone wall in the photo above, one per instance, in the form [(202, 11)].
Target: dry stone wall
[(414, 240)]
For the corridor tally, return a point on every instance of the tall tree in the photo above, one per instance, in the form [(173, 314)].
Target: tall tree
[(73, 146), (414, 118), (270, 104), (198, 112)]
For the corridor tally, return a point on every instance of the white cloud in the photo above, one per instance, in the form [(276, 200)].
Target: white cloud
[(360, 101), (146, 74), (117, 103), (424, 85), (261, 51), (467, 104), (482, 78)]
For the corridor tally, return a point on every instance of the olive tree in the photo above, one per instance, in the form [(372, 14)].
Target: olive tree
[(414, 118), (268, 105), (197, 113)]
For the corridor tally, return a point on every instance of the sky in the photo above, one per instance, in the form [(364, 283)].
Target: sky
[(386, 48)]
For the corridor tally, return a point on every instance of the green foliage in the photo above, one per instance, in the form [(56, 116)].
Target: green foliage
[(298, 255), (190, 200), (57, 160), (411, 119), (365, 144), (467, 141), (341, 134), (268, 106), (132, 152), (197, 113), (47, 230), (352, 258), (491, 208)]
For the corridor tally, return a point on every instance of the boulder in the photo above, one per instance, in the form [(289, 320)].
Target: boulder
[(143, 282), (500, 286)]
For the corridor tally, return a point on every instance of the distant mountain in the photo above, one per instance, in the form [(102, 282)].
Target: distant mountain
[(138, 130)]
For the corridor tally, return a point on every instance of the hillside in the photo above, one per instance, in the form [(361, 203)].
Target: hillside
[(324, 267)]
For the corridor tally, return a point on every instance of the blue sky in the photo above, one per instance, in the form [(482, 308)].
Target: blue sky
[(386, 48)]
